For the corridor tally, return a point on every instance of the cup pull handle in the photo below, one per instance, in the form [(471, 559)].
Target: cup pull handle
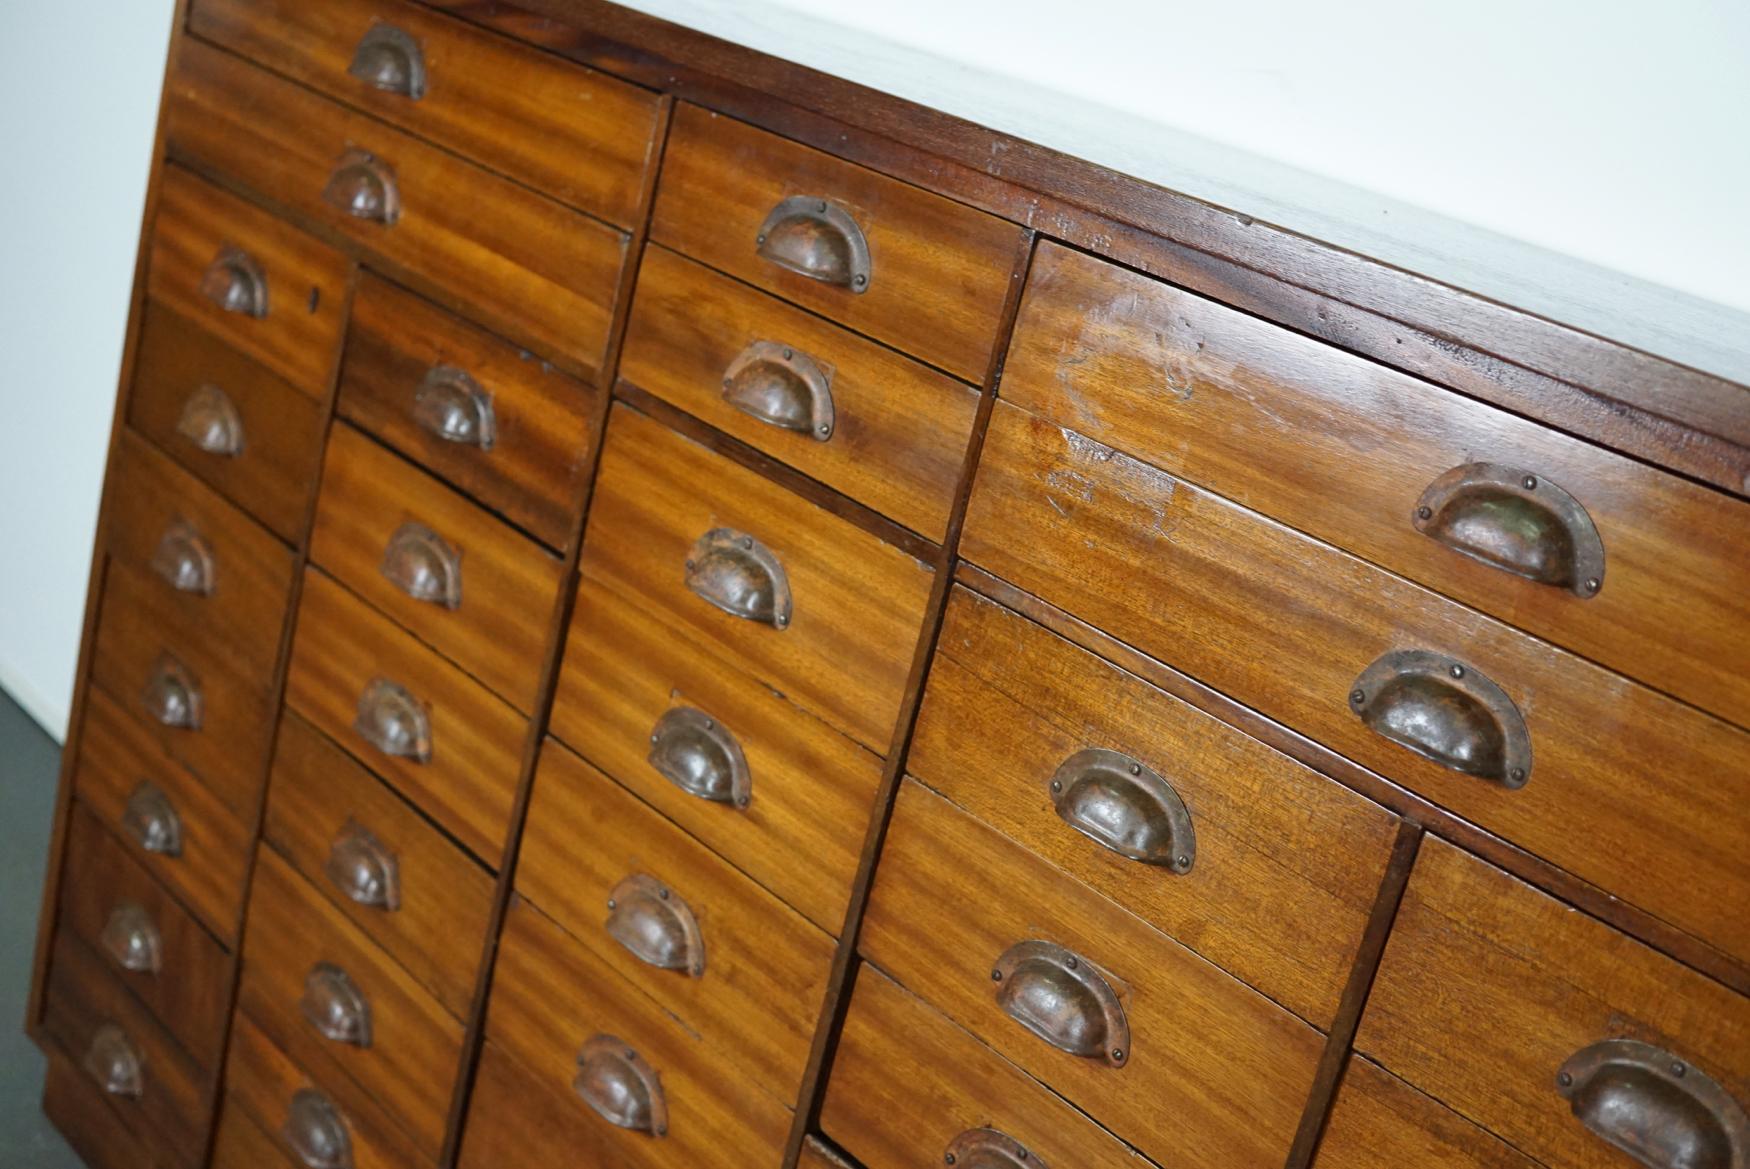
[(816, 238), (131, 939), (184, 560), (1445, 711), (335, 1006), (987, 1148), (740, 576), (614, 1080), (1063, 999), (450, 404), (315, 1131), (423, 565), (390, 60), (1659, 1109), (114, 1063), (655, 925), (782, 387), (1125, 806), (1516, 521), (697, 754), (363, 186), (393, 721), (210, 421), (151, 819), (360, 866), (173, 695), (236, 283)]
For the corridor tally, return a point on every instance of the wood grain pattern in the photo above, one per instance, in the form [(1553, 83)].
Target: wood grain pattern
[(1488, 986), (240, 1143), (102, 1139), (1215, 1074), (1629, 790), (900, 429), (1380, 1122), (939, 270)]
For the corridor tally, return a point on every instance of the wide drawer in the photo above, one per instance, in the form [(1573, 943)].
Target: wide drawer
[(463, 582), (434, 733), (254, 280), (909, 1088), (905, 266), (1550, 1029), (1622, 786), (856, 416), (534, 269), (1380, 1122), (393, 873), (575, 134), (739, 967), (629, 679), (238, 426), (822, 610), (103, 1139), (510, 430)]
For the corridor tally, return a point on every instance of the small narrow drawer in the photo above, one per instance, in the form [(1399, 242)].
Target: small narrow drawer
[(534, 269), (1174, 1055), (461, 581), (508, 429), (573, 133), (264, 286), (739, 967), (1550, 1029), (102, 1138), (770, 787), (907, 267), (378, 861), (908, 1088), (822, 610), (241, 1143), (435, 734), (331, 998), (1380, 1122), (580, 1067), (858, 417), (239, 427)]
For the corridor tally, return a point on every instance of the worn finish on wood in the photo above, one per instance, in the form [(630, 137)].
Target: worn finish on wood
[(1380, 1122)]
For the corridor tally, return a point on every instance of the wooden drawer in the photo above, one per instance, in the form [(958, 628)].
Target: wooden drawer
[(856, 603), (1623, 788), (238, 426), (118, 767), (908, 1087), (847, 412), (1209, 1072), (344, 829), (1275, 421), (102, 1139), (810, 789), (259, 283), (1489, 991), (467, 781), (540, 448), (937, 271), (145, 939), (575, 134), (241, 1143), (303, 960), (550, 996), (1284, 864), (461, 581), (1380, 1122), (739, 967), (533, 268)]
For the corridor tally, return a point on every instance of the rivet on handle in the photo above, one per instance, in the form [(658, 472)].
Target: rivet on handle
[(1063, 999), (393, 721), (989, 1148), (1659, 1109), (1516, 521), (740, 576), (1126, 807), (423, 565), (335, 1006), (1445, 711), (781, 386), (364, 187), (696, 753), (390, 60), (655, 925), (614, 1080), (816, 238), (451, 405)]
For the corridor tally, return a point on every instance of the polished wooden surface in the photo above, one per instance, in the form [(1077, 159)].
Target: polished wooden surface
[(1380, 1122), (241, 1143)]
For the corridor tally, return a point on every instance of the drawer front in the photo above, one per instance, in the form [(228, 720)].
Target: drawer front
[(328, 996), (238, 426), (434, 733), (848, 412), (262, 285), (511, 431), (382, 864), (145, 939), (850, 606), (739, 967), (1490, 990), (463, 582), (535, 269), (575, 134), (550, 996), (241, 1143), (184, 836), (1275, 421), (908, 1088), (1206, 1072), (1283, 864), (935, 272), (810, 789), (102, 1139), (1380, 1122), (1624, 787)]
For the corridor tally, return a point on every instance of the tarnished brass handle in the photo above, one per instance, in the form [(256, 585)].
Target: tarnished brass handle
[(114, 1063), (741, 576), (1445, 711), (1125, 806), (210, 421), (1519, 522), (184, 560), (986, 1148), (655, 925), (614, 1080), (390, 60), (783, 387), (363, 186), (315, 1132), (452, 405), (131, 939), (813, 237), (173, 695), (697, 754), (151, 819), (393, 721), (236, 283), (335, 1006), (423, 565), (1659, 1109), (360, 866), (1060, 997)]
